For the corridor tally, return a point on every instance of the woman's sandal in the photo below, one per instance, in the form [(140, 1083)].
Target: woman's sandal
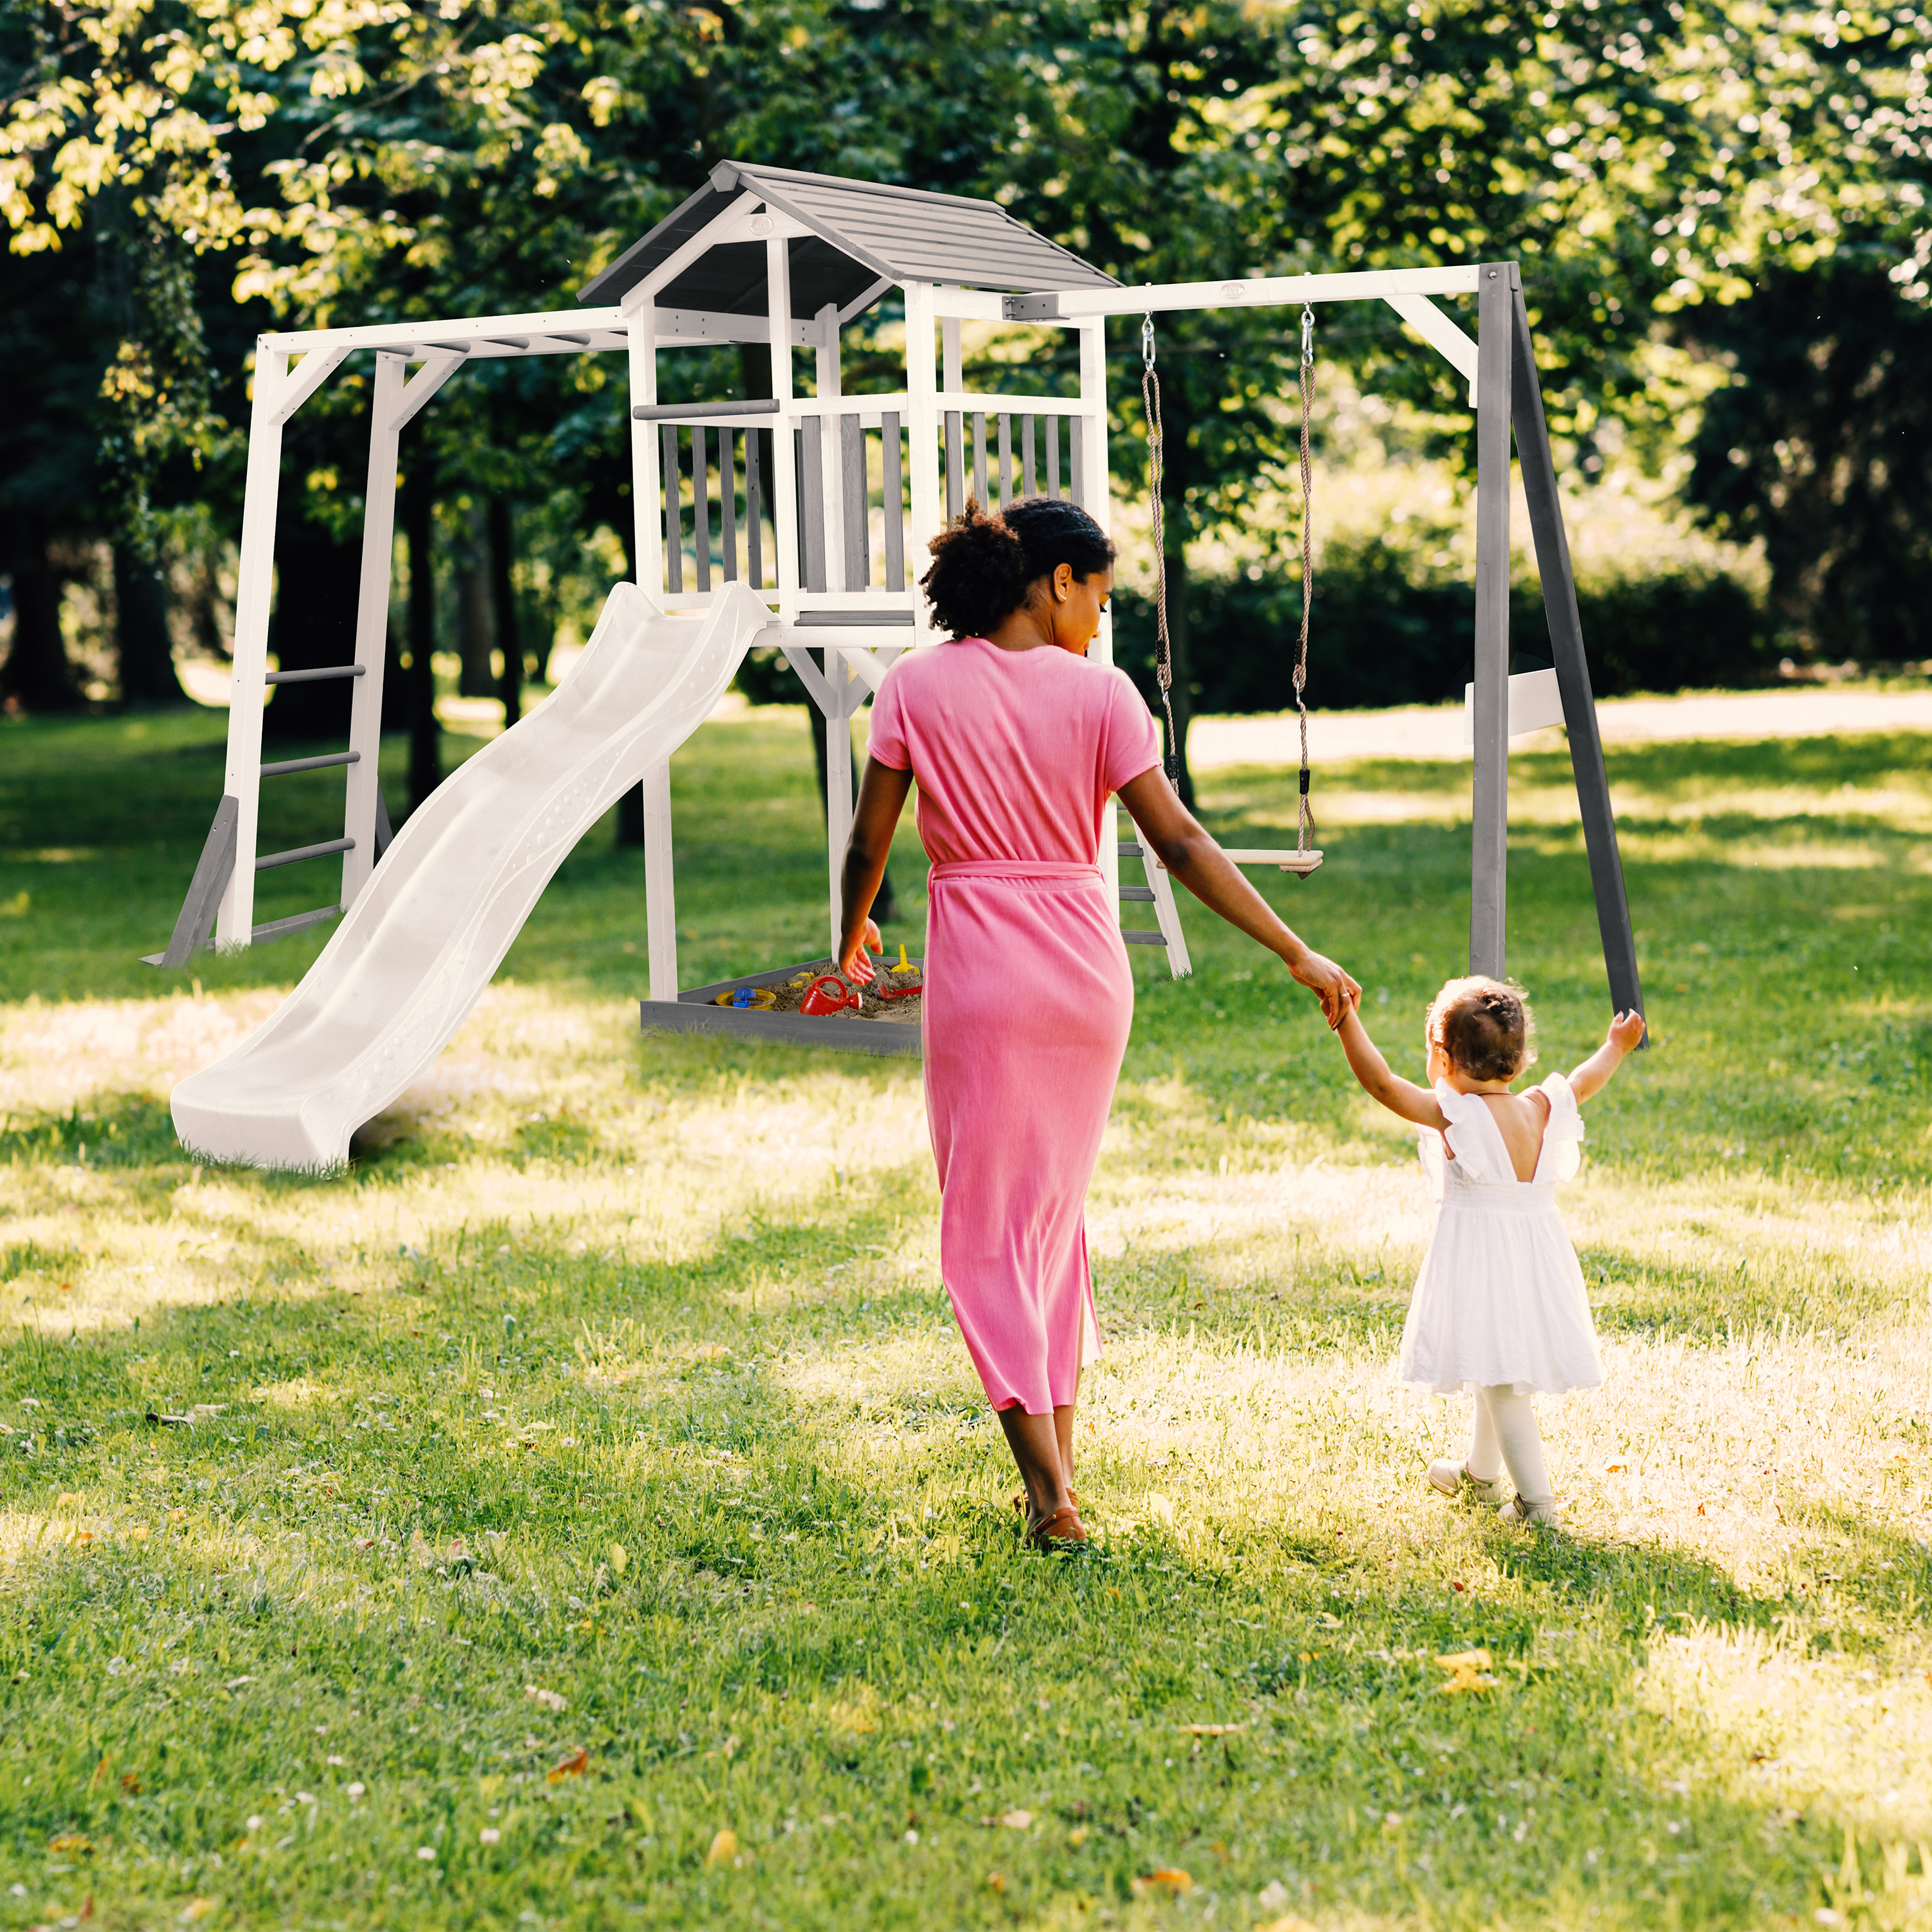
[(1020, 1499), (1063, 1529)]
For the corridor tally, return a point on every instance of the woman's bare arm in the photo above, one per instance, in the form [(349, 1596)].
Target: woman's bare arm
[(1184, 848), (882, 797), (1402, 1097)]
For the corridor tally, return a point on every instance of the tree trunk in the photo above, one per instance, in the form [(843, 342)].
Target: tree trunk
[(474, 629), (503, 592), (425, 746), (37, 676), (313, 625), (141, 625)]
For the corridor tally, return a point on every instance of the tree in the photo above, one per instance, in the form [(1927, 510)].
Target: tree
[(1820, 444)]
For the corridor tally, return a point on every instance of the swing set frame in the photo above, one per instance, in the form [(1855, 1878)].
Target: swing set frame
[(1500, 363)]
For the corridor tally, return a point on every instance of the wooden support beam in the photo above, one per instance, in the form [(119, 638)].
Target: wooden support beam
[(1489, 870)]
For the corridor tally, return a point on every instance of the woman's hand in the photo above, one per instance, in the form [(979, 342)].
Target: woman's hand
[(1335, 988), (856, 967)]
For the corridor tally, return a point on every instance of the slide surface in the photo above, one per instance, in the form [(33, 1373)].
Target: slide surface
[(413, 954)]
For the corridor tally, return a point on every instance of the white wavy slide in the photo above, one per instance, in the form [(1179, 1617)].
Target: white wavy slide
[(413, 954)]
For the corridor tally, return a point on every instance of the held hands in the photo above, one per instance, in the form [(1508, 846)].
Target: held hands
[(856, 967), (1337, 991)]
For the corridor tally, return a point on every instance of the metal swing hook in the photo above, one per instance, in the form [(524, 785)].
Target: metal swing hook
[(1307, 337), (1146, 341)]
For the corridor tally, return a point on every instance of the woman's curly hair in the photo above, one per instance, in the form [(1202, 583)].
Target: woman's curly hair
[(984, 567), (1484, 1028)]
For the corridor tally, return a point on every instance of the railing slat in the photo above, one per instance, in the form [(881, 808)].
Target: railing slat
[(1026, 453), (811, 500), (755, 509), (1076, 444), (955, 463), (1053, 456), (895, 503), (700, 504), (673, 524), (1006, 457), (858, 545), (727, 498), (979, 457)]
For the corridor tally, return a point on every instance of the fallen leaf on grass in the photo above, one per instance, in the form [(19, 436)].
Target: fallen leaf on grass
[(1018, 1821), (574, 1766), (1169, 1878), (70, 1841), (1079, 1838), (1468, 1670), (619, 1559), (1288, 1923), (130, 1784), (995, 1881), (1213, 1730), (197, 1908), (551, 1700), (724, 1848), (67, 1499)]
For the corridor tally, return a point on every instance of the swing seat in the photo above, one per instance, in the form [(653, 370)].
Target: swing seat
[(1300, 862)]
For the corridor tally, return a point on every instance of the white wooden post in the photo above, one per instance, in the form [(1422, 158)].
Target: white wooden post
[(921, 445), (847, 692), (254, 591), (646, 469), (372, 627), (783, 478), (647, 511), (954, 379), (831, 448), (1097, 497)]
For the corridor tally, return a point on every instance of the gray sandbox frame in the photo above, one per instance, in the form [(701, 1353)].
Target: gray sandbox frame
[(697, 1012)]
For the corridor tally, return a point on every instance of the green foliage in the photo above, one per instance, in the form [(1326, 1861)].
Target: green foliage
[(1388, 628), (1820, 447)]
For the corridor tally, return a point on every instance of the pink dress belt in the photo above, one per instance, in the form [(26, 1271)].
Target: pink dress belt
[(1015, 868)]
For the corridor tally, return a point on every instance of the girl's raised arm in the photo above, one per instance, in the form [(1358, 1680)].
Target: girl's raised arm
[(1593, 1075), (1402, 1098)]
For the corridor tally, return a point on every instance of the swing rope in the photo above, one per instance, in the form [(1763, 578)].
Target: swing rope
[(1163, 651), (1306, 824)]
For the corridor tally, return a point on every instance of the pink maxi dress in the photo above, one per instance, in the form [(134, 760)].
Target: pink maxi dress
[(1029, 996)]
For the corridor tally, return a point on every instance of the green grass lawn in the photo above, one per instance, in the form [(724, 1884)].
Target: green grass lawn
[(584, 1515)]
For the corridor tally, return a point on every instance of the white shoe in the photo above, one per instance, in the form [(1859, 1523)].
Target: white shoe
[(1452, 1478), (1517, 1509)]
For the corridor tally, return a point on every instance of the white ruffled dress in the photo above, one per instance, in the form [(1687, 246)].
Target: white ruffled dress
[(1500, 1298)]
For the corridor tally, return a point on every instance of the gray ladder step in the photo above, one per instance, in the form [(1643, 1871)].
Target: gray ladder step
[(1135, 938), (1145, 892)]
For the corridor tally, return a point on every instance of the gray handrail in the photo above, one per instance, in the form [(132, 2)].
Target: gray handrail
[(700, 411)]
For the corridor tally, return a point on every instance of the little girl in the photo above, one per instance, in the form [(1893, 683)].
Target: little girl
[(1499, 1307)]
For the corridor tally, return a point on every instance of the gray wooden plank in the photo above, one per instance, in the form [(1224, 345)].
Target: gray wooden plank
[(1006, 457), (754, 508), (1076, 443), (673, 513), (811, 500), (1572, 674), (727, 498), (858, 521), (1053, 456), (955, 463), (892, 465), (701, 505), (979, 458), (1026, 454), (1488, 855)]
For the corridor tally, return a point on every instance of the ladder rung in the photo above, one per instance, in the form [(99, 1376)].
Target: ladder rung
[(1134, 938), (296, 854), (1129, 850), (1145, 892), (311, 764), (315, 676)]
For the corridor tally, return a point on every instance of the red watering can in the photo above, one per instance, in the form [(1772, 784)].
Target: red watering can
[(828, 995)]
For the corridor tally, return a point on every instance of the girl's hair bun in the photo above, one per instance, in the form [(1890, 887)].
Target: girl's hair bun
[(984, 567), (1484, 1028)]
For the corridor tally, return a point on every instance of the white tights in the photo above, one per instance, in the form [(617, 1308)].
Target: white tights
[(1506, 1436)]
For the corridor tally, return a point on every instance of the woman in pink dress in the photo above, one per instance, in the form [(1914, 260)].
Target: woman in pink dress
[(1017, 742)]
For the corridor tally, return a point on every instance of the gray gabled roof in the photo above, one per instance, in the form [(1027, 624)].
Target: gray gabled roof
[(863, 233)]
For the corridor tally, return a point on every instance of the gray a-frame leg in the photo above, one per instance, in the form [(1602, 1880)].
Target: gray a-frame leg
[(1509, 406), (1572, 672), (211, 874)]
